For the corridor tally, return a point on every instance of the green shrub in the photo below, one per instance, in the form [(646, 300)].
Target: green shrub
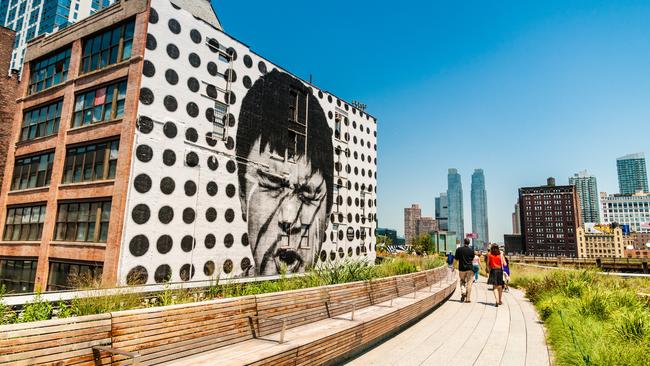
[(594, 303), (36, 310)]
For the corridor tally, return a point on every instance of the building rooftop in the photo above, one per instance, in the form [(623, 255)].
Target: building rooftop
[(639, 155)]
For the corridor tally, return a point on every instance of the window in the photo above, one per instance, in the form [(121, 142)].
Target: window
[(91, 162), (107, 48), (24, 223), (337, 125), (49, 71), (33, 171), (41, 121), (83, 222), (17, 274), (304, 237), (69, 275), (102, 104), (220, 112), (297, 124)]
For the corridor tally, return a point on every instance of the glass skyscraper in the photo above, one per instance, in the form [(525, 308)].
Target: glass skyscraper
[(442, 212), (632, 174), (455, 203), (479, 209), (31, 18), (588, 195)]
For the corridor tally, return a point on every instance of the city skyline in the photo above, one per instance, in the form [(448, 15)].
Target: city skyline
[(455, 203), (470, 69)]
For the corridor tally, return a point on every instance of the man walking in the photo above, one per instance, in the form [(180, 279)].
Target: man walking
[(465, 257)]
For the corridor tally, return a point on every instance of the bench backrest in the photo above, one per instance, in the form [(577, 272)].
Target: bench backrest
[(52, 341), (165, 333), (382, 290), (295, 307), (357, 293)]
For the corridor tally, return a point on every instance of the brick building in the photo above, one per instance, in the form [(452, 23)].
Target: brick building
[(8, 86), (151, 146), (415, 224), (550, 217)]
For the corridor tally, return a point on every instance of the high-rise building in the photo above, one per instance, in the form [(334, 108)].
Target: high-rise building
[(411, 216), (479, 210), (550, 216), (630, 209), (167, 150), (588, 195), (455, 203), (516, 220), (442, 212), (415, 224), (30, 19), (632, 174)]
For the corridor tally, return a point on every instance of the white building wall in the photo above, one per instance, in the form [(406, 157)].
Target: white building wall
[(175, 40)]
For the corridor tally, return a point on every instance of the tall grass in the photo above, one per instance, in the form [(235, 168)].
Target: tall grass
[(326, 274), (591, 319)]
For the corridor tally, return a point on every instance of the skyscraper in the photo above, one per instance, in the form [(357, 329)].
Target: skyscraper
[(632, 175), (411, 217), (442, 212), (30, 19), (588, 195), (516, 220), (479, 209), (455, 203)]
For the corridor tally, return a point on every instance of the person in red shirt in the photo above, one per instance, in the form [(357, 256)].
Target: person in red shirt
[(495, 264)]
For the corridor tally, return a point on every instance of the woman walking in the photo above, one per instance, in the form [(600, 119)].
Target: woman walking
[(495, 264), (476, 266)]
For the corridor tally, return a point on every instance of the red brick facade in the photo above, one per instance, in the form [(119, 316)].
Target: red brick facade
[(8, 86), (113, 190)]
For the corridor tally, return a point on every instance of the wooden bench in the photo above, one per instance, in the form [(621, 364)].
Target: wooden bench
[(67, 341), (306, 326)]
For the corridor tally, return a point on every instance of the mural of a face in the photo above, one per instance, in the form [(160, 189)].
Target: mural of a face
[(285, 153)]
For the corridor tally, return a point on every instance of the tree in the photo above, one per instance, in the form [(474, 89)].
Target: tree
[(422, 244)]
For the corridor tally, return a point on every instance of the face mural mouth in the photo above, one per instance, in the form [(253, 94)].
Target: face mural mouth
[(289, 258)]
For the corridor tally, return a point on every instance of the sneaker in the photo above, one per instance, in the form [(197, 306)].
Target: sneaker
[(462, 298)]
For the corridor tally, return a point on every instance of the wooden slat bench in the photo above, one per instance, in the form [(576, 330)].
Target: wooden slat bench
[(307, 326), (67, 341)]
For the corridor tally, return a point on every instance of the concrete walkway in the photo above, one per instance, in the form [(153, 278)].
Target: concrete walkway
[(468, 334)]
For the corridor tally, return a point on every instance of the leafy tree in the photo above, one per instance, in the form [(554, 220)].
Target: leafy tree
[(422, 244)]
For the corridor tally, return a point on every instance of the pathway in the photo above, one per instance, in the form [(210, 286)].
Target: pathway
[(468, 334)]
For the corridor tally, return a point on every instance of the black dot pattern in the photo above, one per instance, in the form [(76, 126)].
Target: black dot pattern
[(166, 214), (210, 241), (181, 77), (142, 183), (211, 214), (137, 276), (163, 273), (141, 214), (187, 243), (139, 245), (164, 244), (144, 153)]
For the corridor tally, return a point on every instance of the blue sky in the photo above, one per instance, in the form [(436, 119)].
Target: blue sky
[(522, 89)]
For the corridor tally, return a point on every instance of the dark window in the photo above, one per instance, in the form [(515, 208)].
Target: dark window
[(91, 162), (297, 124), (220, 112), (101, 104), (17, 275), (83, 222), (41, 121), (32, 171), (107, 48), (49, 71), (70, 275), (24, 223)]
